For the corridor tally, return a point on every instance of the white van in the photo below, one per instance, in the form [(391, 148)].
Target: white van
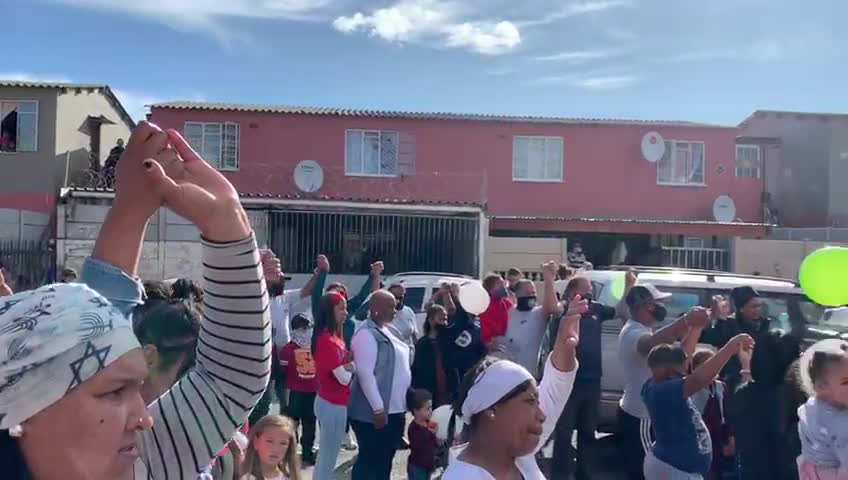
[(783, 302), (420, 286)]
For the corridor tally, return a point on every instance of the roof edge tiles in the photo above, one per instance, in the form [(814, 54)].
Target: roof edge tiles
[(344, 112)]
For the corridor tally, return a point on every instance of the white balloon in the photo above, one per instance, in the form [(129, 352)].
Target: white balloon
[(442, 417), (473, 298), (827, 345)]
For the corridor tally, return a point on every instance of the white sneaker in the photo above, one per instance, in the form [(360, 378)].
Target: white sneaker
[(350, 441)]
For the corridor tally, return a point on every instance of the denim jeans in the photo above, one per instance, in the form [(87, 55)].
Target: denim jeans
[(377, 448), (332, 420), (415, 472)]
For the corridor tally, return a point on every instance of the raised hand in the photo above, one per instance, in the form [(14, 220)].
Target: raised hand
[(744, 342), (196, 191), (323, 264), (271, 266), (549, 270), (377, 268), (630, 279), (720, 307), (698, 317), (135, 194)]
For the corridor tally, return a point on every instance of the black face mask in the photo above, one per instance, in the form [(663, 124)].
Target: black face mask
[(399, 305), (659, 312), (525, 304), (275, 289)]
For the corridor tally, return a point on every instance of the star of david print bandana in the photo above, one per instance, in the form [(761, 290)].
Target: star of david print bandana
[(52, 340)]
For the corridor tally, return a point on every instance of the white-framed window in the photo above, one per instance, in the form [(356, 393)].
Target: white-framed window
[(693, 242), (682, 164), (216, 142), (18, 126), (537, 159), (371, 153), (748, 161)]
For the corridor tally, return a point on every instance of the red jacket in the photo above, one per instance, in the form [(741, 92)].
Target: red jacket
[(330, 353), (299, 368), (494, 320)]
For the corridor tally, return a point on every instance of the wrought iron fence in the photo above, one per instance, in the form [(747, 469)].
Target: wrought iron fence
[(700, 258), (91, 178), (26, 264), (405, 242)]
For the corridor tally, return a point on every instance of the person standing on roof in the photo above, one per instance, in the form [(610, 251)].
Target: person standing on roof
[(576, 257)]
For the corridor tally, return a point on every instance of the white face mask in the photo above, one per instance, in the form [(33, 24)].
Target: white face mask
[(302, 337)]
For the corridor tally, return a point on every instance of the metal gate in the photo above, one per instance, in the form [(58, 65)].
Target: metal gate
[(353, 240), (26, 264), (700, 258)]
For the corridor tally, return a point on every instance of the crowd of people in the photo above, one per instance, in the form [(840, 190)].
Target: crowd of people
[(103, 377)]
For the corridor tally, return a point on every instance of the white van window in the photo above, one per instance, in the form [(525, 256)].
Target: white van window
[(414, 298), (680, 302)]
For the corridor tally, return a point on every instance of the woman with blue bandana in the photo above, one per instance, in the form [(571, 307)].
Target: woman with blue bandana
[(71, 368)]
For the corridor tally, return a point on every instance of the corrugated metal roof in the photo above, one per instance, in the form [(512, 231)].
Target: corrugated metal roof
[(628, 220), (31, 84), (69, 85), (334, 198), (344, 112)]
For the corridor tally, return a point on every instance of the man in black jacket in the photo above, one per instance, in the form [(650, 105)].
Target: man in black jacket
[(755, 405)]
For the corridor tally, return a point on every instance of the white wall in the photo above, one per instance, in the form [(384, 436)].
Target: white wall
[(171, 246), (22, 224), (527, 254), (778, 258)]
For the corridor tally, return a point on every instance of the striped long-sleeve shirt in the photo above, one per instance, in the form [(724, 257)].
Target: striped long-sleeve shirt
[(199, 414)]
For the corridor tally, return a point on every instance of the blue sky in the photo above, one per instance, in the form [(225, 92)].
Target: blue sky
[(702, 60)]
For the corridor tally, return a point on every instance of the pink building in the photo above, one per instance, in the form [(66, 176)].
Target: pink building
[(581, 179)]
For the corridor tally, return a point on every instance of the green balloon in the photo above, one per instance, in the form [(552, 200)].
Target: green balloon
[(617, 286), (824, 276)]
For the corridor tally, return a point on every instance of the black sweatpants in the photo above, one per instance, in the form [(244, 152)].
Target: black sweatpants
[(581, 414), (634, 440), (302, 410)]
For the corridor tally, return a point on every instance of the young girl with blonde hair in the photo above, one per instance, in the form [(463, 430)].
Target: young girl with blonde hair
[(272, 450)]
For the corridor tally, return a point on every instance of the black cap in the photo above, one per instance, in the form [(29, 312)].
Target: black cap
[(742, 295), (641, 294)]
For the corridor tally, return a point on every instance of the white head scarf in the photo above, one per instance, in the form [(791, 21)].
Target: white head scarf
[(51, 340), (491, 385)]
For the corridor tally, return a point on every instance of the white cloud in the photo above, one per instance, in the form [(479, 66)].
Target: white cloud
[(574, 9), (764, 51), (208, 16), (577, 56), (433, 21), (588, 81), (607, 83)]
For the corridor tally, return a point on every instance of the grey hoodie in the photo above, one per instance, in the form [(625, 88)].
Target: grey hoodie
[(823, 429)]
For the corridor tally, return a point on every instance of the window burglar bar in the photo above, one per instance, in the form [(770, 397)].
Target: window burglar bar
[(351, 241), (700, 258)]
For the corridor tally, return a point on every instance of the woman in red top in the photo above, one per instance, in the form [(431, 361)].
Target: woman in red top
[(334, 370)]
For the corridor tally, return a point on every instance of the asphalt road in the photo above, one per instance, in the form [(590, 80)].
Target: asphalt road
[(608, 461)]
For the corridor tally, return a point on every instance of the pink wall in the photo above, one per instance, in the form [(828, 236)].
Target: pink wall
[(460, 161)]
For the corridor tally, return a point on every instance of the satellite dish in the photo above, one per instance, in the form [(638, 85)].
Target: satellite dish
[(653, 147), (724, 209), (308, 176)]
